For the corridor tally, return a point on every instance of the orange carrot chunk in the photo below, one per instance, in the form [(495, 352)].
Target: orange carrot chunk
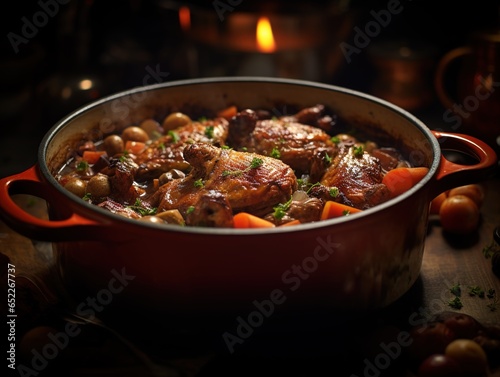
[(400, 180), (228, 112), (333, 209), (135, 147), (291, 223), (245, 220), (92, 156)]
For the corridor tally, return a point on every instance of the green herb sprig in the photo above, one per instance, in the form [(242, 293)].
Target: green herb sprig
[(474, 291), (275, 153), (254, 164), (199, 183), (140, 209), (174, 135), (82, 165), (456, 303), (280, 209), (358, 151), (209, 132)]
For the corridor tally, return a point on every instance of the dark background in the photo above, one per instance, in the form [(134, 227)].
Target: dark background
[(114, 41)]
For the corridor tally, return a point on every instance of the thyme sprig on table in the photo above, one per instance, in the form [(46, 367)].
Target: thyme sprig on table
[(474, 291), (490, 249)]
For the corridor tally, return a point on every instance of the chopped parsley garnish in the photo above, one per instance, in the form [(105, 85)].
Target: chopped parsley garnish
[(476, 291), (334, 192), (87, 196), (226, 147), (335, 139), (280, 209), (141, 209), (455, 303), (209, 132), (346, 212), (198, 183), (174, 135), (254, 164), (358, 151), (328, 159), (456, 290), (161, 147), (493, 306), (82, 165), (124, 156), (495, 302), (190, 210), (275, 153), (491, 249)]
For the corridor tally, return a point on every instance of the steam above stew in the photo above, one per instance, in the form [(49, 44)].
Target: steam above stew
[(240, 168)]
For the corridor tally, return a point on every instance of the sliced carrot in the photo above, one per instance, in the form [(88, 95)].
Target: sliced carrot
[(228, 112), (92, 156), (333, 209), (246, 220), (135, 147), (290, 223), (400, 180)]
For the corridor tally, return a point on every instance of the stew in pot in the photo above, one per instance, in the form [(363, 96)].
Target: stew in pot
[(240, 168)]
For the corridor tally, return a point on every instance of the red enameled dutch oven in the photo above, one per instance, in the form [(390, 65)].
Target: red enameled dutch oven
[(363, 261)]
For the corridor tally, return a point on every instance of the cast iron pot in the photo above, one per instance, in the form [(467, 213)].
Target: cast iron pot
[(360, 262)]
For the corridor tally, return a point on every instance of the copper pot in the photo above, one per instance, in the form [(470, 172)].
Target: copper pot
[(361, 262)]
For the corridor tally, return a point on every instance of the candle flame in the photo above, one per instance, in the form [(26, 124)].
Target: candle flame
[(185, 18), (265, 38)]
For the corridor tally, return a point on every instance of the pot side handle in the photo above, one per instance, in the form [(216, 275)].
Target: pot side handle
[(451, 174), (70, 226)]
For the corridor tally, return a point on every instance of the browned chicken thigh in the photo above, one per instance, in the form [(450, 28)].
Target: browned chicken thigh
[(223, 182), (297, 144), (165, 153), (358, 176)]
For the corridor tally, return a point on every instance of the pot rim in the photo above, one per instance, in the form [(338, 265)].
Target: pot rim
[(42, 163)]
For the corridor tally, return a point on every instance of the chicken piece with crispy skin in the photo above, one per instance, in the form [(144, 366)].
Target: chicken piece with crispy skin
[(358, 177), (313, 116), (211, 210), (121, 173), (296, 144), (165, 153), (247, 181)]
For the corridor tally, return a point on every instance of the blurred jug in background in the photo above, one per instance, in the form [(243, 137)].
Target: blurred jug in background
[(471, 94), (403, 73)]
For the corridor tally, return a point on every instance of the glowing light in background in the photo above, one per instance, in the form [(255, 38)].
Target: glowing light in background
[(85, 84), (265, 38), (185, 18)]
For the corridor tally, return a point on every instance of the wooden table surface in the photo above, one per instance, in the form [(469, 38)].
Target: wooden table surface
[(447, 261)]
